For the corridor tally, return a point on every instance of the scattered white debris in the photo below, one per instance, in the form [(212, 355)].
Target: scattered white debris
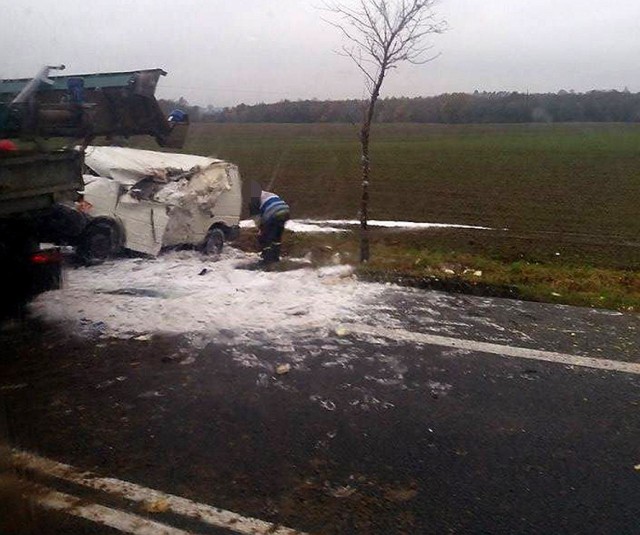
[(139, 297), (342, 492), (326, 404), (6, 388), (156, 506), (438, 388), (336, 271), (341, 225), (341, 331), (151, 394), (298, 226), (409, 225)]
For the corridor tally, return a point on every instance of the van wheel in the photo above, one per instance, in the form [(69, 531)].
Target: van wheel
[(214, 242), (97, 243)]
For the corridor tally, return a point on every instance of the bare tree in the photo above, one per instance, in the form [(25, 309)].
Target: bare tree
[(381, 34)]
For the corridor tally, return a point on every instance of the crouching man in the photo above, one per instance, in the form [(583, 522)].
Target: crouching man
[(270, 213)]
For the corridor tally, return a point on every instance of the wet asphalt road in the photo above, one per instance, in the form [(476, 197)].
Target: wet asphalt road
[(363, 434)]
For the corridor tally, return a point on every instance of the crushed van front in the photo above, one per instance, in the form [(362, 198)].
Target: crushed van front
[(162, 199)]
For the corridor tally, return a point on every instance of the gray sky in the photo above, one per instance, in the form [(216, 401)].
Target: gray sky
[(226, 52)]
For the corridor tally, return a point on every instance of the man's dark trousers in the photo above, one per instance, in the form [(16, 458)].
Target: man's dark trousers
[(270, 238)]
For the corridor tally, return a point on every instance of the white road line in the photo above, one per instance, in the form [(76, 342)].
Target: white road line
[(137, 493), (113, 518), (498, 349)]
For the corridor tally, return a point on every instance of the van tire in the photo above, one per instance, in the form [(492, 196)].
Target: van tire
[(214, 242), (98, 243)]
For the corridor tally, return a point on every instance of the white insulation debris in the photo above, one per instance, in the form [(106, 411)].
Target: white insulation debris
[(185, 292)]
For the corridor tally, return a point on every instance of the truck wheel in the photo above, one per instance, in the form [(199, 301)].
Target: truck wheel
[(98, 243), (214, 242)]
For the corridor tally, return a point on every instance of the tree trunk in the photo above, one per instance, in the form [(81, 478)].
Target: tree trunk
[(364, 202), (364, 143)]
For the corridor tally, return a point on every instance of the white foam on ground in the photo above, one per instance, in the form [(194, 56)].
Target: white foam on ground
[(295, 225), (409, 225), (167, 295), (300, 226), (338, 225)]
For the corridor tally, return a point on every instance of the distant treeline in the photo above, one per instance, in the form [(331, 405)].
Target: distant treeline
[(451, 108)]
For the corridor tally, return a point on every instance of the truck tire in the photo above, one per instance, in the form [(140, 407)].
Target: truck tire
[(214, 242), (98, 243)]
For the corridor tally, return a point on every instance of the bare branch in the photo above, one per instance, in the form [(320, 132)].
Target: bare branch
[(386, 32), (359, 61)]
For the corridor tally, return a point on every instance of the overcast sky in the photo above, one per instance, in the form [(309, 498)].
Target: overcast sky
[(226, 52)]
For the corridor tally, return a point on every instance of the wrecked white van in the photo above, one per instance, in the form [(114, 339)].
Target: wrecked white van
[(145, 200)]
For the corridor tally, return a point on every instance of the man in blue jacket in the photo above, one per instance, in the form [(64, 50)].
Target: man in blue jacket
[(270, 213)]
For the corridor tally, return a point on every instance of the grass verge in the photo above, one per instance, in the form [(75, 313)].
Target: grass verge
[(478, 275), (477, 263)]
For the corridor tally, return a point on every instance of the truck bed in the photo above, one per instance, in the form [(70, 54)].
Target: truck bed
[(31, 181)]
